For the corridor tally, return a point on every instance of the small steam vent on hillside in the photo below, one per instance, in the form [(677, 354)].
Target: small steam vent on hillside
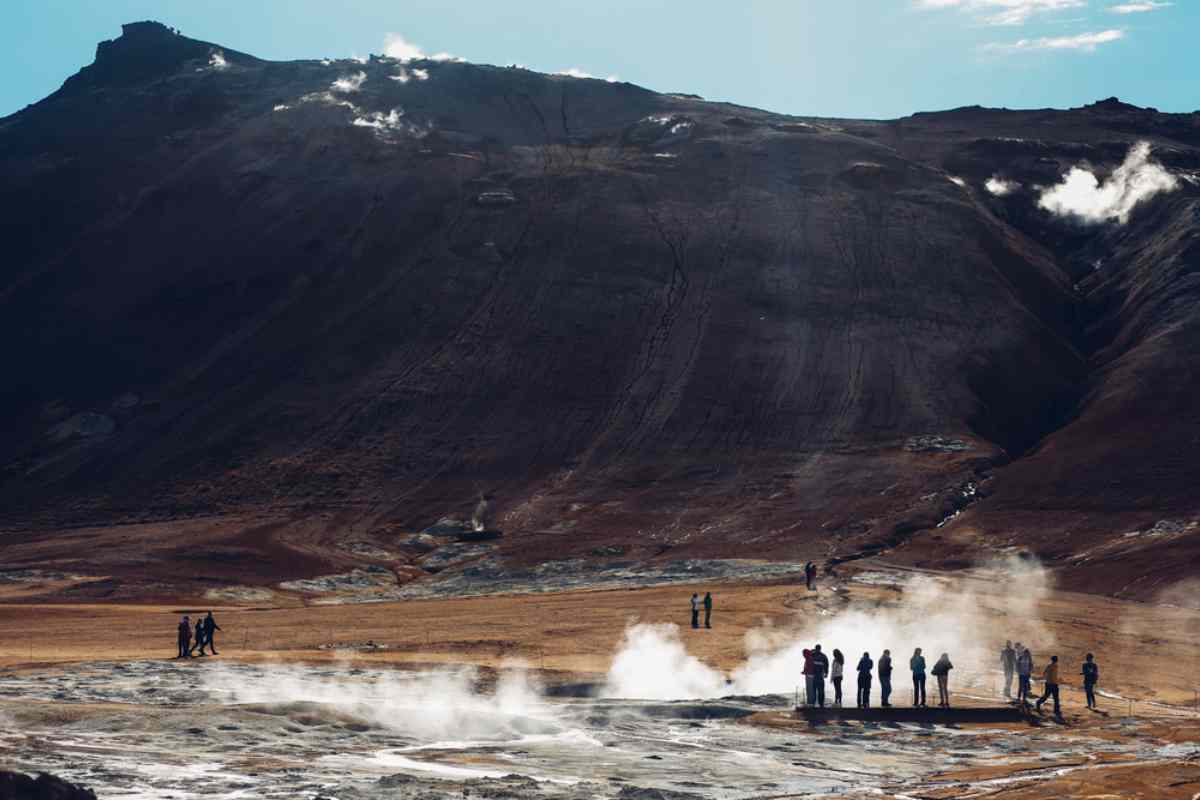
[(475, 528)]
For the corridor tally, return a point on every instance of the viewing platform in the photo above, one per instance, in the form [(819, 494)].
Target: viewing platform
[(943, 716)]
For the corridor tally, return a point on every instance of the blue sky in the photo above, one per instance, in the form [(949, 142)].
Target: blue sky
[(872, 58)]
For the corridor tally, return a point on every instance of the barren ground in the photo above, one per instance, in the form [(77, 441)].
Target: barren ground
[(75, 676)]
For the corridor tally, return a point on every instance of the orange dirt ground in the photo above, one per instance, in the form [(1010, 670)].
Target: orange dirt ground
[(1148, 653)]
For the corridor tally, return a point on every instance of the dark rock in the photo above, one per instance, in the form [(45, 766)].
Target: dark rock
[(15, 786)]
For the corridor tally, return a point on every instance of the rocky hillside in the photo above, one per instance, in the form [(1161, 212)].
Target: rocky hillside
[(263, 318)]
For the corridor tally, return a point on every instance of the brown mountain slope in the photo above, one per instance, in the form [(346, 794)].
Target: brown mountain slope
[(309, 304)]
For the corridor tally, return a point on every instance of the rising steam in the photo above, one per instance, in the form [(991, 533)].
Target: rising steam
[(434, 706), (479, 518), (1084, 197), (969, 618)]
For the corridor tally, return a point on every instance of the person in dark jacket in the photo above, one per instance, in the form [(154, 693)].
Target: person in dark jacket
[(1008, 662), (941, 670), (1024, 674), (210, 626), (839, 667), (885, 678), (199, 643), (1091, 676), (708, 609), (695, 610), (810, 575), (185, 638), (821, 663), (864, 680), (917, 665)]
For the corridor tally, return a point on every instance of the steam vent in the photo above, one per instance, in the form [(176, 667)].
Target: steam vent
[(398, 425)]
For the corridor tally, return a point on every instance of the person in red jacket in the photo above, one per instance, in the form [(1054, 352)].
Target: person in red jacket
[(810, 678)]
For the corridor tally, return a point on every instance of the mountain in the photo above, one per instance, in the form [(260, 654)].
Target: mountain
[(263, 320)]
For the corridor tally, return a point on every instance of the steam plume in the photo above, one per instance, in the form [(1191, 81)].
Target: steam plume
[(937, 614), (1082, 196)]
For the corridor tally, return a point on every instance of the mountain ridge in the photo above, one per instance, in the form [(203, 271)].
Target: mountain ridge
[(322, 309)]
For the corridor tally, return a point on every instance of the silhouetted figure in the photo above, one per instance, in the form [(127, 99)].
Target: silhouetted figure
[(1008, 662), (821, 663), (839, 666), (199, 637), (917, 665), (708, 609), (941, 670), (1050, 676), (1091, 676), (1024, 673), (185, 638), (210, 626), (695, 610), (885, 678), (810, 575), (864, 680), (810, 678)]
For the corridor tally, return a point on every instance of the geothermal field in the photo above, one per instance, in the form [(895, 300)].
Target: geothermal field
[(449, 388), (599, 694)]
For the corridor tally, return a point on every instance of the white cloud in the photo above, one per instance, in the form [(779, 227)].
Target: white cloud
[(957, 181), (396, 46), (386, 125), (1139, 7), (1005, 12), (282, 107), (406, 74), (1082, 196), (217, 60), (1000, 187), (349, 83), (379, 120), (1084, 42)]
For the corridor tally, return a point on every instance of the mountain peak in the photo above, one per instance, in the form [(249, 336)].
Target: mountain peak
[(143, 50)]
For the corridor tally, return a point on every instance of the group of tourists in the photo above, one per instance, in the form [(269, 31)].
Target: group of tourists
[(1015, 660), (817, 667), (204, 630), (1018, 660)]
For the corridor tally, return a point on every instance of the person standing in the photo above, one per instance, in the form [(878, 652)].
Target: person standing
[(708, 609), (695, 610), (1024, 674), (185, 638), (1050, 676), (864, 680), (941, 670), (821, 662), (810, 683), (199, 636), (885, 678), (1008, 662), (810, 575), (1091, 676), (210, 627), (917, 665), (839, 666)]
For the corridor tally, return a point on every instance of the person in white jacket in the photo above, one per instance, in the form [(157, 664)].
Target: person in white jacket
[(839, 666)]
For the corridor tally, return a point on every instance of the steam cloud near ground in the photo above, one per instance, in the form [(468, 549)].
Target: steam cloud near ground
[(936, 614), (939, 614), (437, 705), (1084, 197)]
